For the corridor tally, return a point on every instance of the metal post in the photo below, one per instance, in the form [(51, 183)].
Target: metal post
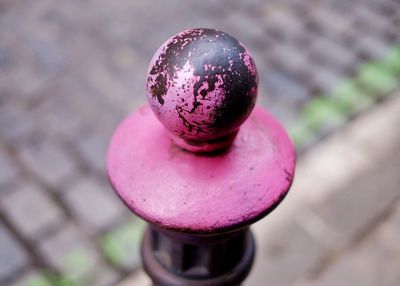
[(176, 259), (196, 177)]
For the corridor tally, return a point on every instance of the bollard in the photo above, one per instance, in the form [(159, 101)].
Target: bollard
[(200, 163)]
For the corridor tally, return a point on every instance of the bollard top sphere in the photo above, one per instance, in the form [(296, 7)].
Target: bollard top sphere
[(202, 85)]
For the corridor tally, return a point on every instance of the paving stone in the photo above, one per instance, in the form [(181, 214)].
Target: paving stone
[(58, 117), (137, 278), (302, 135), (32, 278), (6, 60), (350, 211), (282, 96), (370, 20), (126, 61), (88, 102), (108, 89), (247, 5), (282, 85), (287, 115), (350, 97), (48, 54), (22, 52), (12, 256), (247, 29), (15, 123), (329, 21), (286, 26), (93, 204), (31, 211), (290, 59), (288, 255), (296, 5), (351, 36), (104, 276), (211, 8), (279, 17), (93, 148), (8, 170), (83, 102), (359, 269), (387, 232), (253, 8), (325, 80), (122, 245), (71, 253), (375, 79), (321, 115), (372, 48), (339, 6), (388, 8), (368, 134), (47, 160), (33, 81), (373, 262), (391, 62), (155, 29), (395, 218), (334, 54)]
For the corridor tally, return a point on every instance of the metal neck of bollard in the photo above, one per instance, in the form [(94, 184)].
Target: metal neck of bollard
[(204, 174), (213, 260)]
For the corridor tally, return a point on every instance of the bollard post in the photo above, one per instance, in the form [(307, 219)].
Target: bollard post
[(192, 166)]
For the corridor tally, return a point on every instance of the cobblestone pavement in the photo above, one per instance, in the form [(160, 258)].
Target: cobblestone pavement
[(71, 70)]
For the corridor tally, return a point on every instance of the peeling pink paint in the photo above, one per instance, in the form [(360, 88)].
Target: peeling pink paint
[(202, 85)]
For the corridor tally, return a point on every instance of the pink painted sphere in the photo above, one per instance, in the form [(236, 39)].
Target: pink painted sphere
[(202, 85)]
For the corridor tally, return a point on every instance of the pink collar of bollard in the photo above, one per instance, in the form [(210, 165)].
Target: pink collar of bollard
[(183, 191)]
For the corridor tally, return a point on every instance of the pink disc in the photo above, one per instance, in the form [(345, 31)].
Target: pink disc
[(184, 191)]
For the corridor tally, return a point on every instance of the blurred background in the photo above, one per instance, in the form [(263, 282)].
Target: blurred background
[(71, 70)]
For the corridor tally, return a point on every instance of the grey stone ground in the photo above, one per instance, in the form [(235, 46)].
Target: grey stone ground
[(71, 70)]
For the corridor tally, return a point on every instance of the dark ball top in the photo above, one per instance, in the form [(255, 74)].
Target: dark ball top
[(202, 84)]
